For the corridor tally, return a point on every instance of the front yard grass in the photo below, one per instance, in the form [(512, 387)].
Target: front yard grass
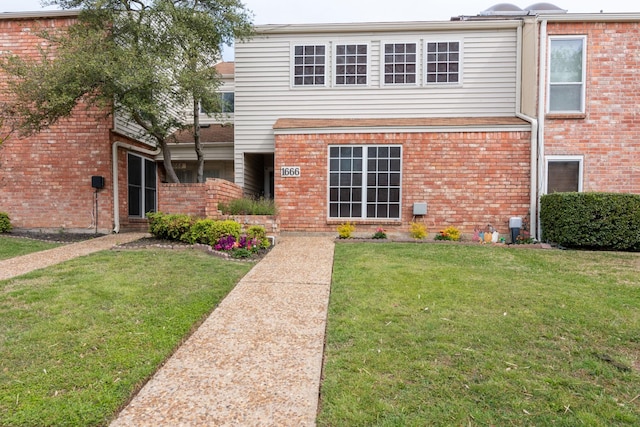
[(429, 334), (11, 247), (79, 338)]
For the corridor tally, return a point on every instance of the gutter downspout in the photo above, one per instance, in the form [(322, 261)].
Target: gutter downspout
[(541, 111), (533, 202), (116, 190), (533, 199)]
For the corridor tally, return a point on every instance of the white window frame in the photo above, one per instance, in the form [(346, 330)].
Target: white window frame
[(365, 185), (335, 64), (425, 56), (563, 158), (383, 63), (327, 65), (583, 92)]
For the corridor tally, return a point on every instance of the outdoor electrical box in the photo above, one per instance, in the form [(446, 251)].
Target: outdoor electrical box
[(420, 208), (515, 224), (97, 182)]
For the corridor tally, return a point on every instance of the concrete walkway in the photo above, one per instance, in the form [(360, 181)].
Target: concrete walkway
[(23, 264), (257, 360)]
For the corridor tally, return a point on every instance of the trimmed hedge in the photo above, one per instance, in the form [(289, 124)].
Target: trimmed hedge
[(185, 228), (606, 221), (5, 223), (209, 231)]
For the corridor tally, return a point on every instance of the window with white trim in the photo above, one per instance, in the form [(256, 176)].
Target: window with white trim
[(442, 62), (309, 65), (141, 185), (351, 64), (365, 181), (400, 63), (567, 69), (564, 174)]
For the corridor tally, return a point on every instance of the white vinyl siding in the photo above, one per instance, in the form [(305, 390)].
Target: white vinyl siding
[(265, 90)]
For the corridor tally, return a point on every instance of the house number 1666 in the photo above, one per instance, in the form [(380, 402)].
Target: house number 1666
[(290, 171)]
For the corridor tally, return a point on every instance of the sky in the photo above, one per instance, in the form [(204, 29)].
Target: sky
[(325, 11), (338, 11)]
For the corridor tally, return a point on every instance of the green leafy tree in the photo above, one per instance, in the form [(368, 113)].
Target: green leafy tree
[(145, 59)]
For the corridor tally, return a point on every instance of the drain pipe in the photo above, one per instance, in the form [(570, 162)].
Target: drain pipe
[(116, 189), (533, 201), (542, 102), (533, 191)]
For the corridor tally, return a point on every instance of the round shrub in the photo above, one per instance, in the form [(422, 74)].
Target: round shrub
[(5, 223)]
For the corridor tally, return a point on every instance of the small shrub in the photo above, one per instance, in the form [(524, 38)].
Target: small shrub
[(418, 230), (449, 233), (346, 230), (209, 232), (200, 232), (5, 223), (259, 233), (379, 234), (169, 226), (248, 206)]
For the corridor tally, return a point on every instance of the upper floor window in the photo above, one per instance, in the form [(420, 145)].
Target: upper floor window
[(400, 63), (351, 64), (566, 74), (309, 65), (443, 62), (225, 104)]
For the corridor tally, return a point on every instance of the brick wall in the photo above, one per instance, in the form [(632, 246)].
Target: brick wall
[(608, 135), (468, 179), (190, 199), (45, 179), (199, 200)]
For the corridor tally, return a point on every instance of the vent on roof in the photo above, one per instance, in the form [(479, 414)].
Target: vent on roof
[(544, 9), (502, 9)]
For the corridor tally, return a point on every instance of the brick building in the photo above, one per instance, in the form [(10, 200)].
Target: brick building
[(473, 118)]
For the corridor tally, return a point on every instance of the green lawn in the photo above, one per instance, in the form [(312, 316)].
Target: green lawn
[(455, 335), (12, 247), (79, 338)]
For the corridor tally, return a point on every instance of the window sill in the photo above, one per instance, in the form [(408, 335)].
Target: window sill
[(368, 221), (566, 116)]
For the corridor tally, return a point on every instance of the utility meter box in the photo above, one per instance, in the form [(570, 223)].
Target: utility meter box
[(515, 224), (420, 208)]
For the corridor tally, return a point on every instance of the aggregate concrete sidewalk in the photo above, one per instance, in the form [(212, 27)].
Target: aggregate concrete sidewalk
[(257, 359), (24, 264)]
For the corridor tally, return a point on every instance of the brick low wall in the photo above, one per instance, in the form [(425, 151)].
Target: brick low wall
[(468, 179), (220, 190), (189, 199)]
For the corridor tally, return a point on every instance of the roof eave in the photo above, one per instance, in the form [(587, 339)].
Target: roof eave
[(40, 14), (374, 27)]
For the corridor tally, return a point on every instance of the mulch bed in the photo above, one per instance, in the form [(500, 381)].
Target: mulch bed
[(53, 237)]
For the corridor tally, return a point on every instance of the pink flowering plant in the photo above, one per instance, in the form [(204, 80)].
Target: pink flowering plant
[(242, 247), (380, 233)]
